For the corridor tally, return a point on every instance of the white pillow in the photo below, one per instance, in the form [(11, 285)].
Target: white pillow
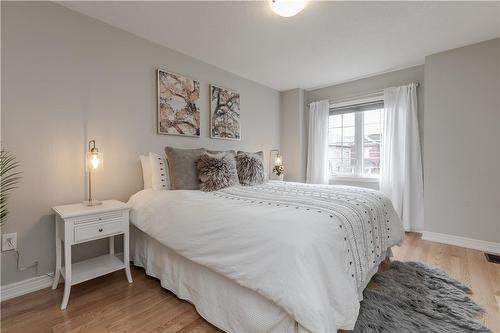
[(160, 179), (146, 171)]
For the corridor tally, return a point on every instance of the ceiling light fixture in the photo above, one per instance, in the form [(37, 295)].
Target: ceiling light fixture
[(287, 8)]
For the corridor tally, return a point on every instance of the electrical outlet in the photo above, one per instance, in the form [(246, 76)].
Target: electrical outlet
[(9, 241)]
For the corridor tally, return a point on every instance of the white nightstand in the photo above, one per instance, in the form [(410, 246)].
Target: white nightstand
[(77, 224)]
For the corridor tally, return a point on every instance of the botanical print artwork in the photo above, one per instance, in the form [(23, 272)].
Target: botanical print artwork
[(224, 113), (178, 109)]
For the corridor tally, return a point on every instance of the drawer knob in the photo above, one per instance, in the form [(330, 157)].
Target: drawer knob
[(100, 218), (100, 229)]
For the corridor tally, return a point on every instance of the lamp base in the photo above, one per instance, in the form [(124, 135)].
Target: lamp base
[(92, 202)]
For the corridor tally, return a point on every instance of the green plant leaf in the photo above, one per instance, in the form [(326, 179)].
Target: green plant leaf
[(9, 180)]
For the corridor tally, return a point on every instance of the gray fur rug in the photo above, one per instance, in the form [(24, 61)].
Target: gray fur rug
[(412, 297)]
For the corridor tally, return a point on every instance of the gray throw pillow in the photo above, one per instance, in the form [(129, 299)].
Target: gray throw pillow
[(216, 171), (182, 168), (250, 167), (215, 152)]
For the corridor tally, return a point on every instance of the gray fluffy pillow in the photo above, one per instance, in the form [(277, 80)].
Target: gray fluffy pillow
[(216, 171), (250, 168), (215, 152), (182, 168)]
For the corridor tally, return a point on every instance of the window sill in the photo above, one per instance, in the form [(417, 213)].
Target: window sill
[(354, 179)]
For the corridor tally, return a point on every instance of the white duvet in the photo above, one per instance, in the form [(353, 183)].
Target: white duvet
[(310, 249)]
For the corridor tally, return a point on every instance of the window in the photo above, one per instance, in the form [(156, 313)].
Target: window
[(354, 138)]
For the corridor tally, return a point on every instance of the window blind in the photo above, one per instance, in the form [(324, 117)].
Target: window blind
[(366, 106)]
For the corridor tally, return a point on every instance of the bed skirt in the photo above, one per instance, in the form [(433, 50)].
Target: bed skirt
[(222, 302)]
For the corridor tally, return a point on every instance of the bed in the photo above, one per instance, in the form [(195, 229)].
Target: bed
[(276, 257)]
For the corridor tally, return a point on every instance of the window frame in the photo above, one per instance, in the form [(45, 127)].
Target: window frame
[(358, 138)]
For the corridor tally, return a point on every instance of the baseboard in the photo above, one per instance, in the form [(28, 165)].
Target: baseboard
[(469, 243), (25, 287)]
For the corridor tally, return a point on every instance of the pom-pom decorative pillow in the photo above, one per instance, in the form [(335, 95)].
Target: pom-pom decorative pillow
[(216, 171), (250, 168)]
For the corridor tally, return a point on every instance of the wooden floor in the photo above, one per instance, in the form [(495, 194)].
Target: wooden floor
[(110, 304)]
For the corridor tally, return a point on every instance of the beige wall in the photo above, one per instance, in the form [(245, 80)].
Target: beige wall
[(67, 78), (462, 142)]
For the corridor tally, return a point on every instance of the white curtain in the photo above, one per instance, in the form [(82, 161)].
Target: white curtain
[(317, 152), (401, 177)]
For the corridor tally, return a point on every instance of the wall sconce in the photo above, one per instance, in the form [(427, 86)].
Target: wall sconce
[(94, 164)]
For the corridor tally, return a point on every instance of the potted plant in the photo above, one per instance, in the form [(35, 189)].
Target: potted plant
[(9, 179), (279, 170)]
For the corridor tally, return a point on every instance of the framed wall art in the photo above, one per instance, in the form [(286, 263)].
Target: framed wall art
[(178, 104), (224, 113)]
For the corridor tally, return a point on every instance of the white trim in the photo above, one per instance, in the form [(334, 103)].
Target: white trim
[(476, 244), (25, 286), (358, 141), (361, 179)]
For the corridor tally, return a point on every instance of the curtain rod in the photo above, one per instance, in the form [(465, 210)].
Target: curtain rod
[(331, 100)]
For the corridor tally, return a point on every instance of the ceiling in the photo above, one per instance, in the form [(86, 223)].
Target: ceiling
[(327, 43)]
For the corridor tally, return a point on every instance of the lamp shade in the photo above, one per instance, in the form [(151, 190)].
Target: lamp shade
[(287, 8), (94, 158), (94, 161), (278, 160)]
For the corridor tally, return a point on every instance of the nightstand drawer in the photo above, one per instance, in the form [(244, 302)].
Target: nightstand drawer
[(103, 217), (98, 230)]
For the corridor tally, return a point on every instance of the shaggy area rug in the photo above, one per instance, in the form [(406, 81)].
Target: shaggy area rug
[(412, 297)]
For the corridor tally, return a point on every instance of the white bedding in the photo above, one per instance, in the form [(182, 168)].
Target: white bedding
[(309, 249), (221, 301)]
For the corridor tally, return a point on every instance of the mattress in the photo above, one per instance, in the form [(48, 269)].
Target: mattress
[(222, 302)]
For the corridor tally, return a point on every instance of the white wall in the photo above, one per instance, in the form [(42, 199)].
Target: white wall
[(462, 142), (67, 78)]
